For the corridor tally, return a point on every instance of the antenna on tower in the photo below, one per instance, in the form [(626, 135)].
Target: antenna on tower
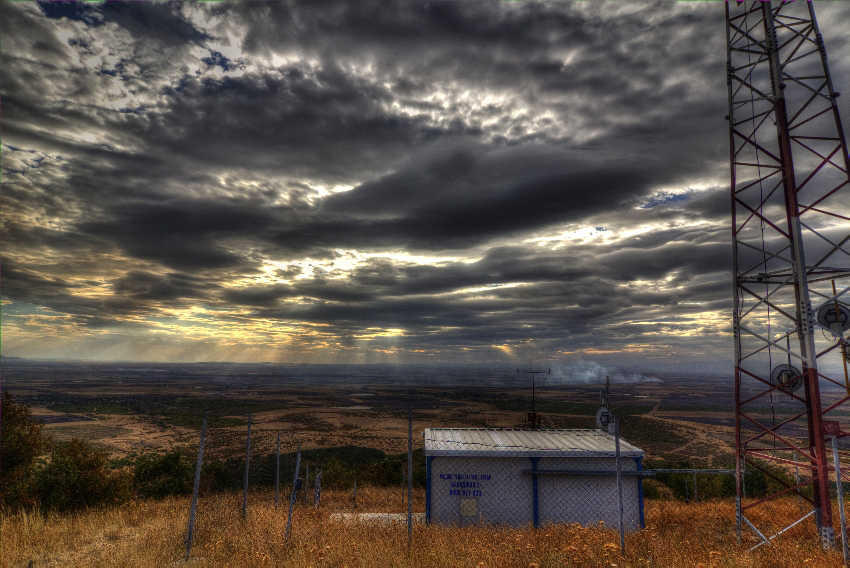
[(604, 420), (533, 421)]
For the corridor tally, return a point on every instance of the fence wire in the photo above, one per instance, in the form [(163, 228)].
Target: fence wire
[(463, 477)]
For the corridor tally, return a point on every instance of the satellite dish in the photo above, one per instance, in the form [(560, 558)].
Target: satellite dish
[(835, 318), (603, 418), (786, 377)]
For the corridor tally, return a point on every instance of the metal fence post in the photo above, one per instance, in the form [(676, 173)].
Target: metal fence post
[(619, 484), (194, 506), (247, 462), (317, 491), (277, 470), (839, 486), (354, 498), (797, 482), (293, 495), (306, 480), (410, 478)]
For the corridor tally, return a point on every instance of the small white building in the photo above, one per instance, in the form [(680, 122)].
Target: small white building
[(516, 477)]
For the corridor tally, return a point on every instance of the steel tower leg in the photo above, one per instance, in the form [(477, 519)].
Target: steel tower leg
[(823, 504), (777, 73)]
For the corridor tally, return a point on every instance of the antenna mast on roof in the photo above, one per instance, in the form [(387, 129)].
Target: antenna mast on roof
[(604, 420), (533, 420), (605, 395)]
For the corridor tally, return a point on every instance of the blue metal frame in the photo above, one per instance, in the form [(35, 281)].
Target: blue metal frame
[(428, 461), (534, 483), (639, 462)]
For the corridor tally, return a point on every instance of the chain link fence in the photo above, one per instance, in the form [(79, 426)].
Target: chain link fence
[(476, 476)]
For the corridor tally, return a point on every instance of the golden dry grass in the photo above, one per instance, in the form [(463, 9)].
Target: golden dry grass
[(152, 534)]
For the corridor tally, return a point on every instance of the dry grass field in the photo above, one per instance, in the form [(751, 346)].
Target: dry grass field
[(151, 533), (679, 420)]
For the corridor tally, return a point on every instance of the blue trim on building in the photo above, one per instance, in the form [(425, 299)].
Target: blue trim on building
[(536, 501), (640, 491), (428, 461)]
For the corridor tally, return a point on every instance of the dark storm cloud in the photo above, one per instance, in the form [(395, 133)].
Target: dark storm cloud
[(28, 287), (59, 295), (162, 23), (142, 285), (42, 39), (566, 161), (258, 296), (569, 57), (342, 117), (548, 289), (462, 198), (291, 121), (564, 315), (180, 234)]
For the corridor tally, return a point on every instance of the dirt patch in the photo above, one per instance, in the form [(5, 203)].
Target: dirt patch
[(86, 431), (59, 418)]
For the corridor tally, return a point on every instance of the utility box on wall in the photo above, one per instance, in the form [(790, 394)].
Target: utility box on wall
[(516, 477)]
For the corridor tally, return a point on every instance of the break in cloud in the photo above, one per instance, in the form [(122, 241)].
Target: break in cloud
[(370, 181)]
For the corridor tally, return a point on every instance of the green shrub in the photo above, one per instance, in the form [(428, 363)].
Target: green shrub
[(217, 476), (161, 475), (77, 477), (21, 443), (650, 489), (709, 486), (337, 475)]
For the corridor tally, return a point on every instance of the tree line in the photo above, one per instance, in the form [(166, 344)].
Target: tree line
[(37, 472)]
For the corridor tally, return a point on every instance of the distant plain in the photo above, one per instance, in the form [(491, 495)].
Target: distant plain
[(135, 408)]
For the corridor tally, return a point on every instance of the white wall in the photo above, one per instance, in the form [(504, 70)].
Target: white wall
[(507, 496), (587, 499)]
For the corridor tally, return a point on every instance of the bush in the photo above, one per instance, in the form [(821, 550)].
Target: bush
[(218, 476), (21, 442), (651, 489), (681, 485), (710, 486), (337, 475), (159, 476), (77, 477)]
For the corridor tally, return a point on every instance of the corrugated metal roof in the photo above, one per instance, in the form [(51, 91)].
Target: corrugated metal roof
[(507, 442)]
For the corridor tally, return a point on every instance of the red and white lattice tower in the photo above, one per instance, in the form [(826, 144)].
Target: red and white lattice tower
[(790, 217)]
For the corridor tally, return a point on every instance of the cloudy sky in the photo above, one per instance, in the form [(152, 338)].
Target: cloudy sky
[(371, 182)]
